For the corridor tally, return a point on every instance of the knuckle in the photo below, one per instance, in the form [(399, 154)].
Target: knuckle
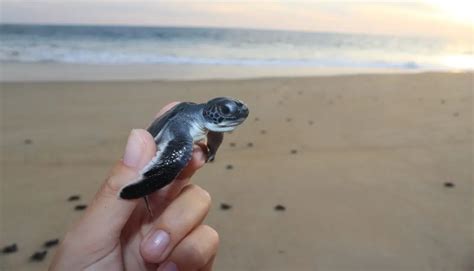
[(193, 254), (118, 177), (213, 235), (198, 252), (112, 186), (199, 193)]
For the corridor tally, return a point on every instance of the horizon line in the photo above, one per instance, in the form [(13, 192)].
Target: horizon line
[(219, 27)]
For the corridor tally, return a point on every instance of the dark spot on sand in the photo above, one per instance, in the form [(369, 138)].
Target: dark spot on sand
[(281, 251), (10, 249), (443, 101), (310, 122), (289, 119), (280, 207), (80, 207), (257, 119), (229, 167), (51, 243), (331, 102), (39, 256), (456, 114), (74, 198), (339, 97), (449, 184), (263, 132), (232, 144), (420, 99), (294, 151), (28, 141), (250, 144), (300, 92), (225, 206)]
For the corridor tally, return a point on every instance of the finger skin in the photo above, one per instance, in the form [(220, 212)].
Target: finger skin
[(209, 265), (166, 108), (186, 212), (101, 224), (105, 209), (197, 250)]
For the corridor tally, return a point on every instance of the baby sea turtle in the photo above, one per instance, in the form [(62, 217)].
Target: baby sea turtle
[(176, 131)]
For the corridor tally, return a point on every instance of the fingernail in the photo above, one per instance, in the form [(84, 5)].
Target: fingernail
[(169, 266), (133, 150), (156, 243)]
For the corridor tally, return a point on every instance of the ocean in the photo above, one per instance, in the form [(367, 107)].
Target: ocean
[(116, 45)]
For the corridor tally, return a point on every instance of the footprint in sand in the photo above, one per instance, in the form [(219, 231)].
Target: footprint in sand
[(10, 249), (51, 243), (449, 184), (280, 208), (80, 207), (38, 256), (225, 206), (74, 198)]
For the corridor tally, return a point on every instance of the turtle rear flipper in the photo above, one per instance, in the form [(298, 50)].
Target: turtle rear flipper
[(171, 161), (214, 140)]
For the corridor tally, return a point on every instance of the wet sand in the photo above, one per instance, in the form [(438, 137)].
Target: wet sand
[(357, 172)]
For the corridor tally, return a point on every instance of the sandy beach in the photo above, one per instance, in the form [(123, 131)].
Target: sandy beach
[(375, 171)]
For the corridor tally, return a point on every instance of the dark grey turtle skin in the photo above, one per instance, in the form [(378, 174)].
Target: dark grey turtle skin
[(176, 131)]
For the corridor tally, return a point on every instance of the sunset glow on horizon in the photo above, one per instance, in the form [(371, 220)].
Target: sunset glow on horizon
[(456, 10), (423, 17)]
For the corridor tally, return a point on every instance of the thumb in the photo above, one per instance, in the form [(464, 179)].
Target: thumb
[(107, 209)]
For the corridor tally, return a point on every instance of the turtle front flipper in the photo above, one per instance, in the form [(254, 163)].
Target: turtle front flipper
[(166, 166), (214, 140)]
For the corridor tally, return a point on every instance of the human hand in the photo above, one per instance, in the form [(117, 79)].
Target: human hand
[(116, 234)]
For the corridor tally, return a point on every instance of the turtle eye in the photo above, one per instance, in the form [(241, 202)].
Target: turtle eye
[(225, 109)]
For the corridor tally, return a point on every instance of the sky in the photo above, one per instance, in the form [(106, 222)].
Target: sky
[(446, 18)]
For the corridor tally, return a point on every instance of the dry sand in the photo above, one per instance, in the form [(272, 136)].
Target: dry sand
[(364, 190)]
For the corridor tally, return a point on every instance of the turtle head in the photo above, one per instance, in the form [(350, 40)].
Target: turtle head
[(224, 114)]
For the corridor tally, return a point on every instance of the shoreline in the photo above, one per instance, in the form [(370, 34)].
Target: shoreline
[(61, 72)]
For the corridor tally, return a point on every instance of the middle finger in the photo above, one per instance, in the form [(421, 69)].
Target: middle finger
[(183, 214)]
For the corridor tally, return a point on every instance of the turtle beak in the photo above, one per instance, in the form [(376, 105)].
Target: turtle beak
[(244, 111)]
